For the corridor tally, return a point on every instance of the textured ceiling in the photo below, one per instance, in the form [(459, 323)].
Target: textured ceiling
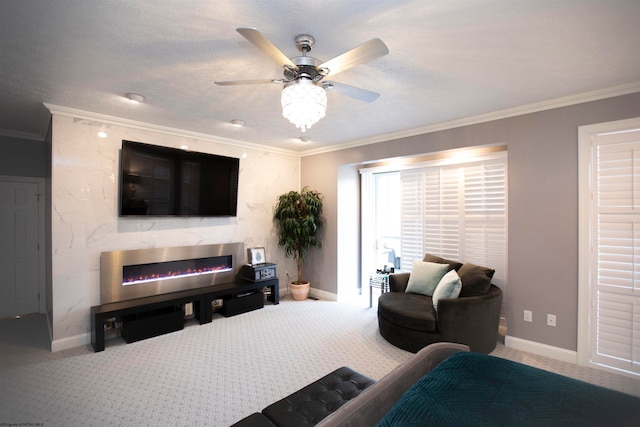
[(448, 60)]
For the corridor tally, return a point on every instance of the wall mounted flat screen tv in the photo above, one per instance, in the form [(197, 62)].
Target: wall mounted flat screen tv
[(162, 181)]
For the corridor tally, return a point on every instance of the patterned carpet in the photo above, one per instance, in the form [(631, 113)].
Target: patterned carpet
[(206, 375)]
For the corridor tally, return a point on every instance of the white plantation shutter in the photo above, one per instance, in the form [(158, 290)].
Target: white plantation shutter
[(615, 312), (457, 212), (485, 220), (411, 217), (441, 226)]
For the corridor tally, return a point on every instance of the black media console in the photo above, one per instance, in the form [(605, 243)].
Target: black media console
[(160, 314)]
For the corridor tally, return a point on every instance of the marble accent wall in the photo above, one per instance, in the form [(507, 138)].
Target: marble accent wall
[(85, 222)]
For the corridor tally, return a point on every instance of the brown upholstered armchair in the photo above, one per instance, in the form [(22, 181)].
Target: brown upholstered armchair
[(410, 321)]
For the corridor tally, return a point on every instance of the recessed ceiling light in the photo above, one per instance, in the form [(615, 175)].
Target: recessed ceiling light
[(102, 134), (134, 97), (237, 123)]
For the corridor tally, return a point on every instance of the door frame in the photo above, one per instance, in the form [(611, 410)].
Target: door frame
[(586, 331), (40, 182)]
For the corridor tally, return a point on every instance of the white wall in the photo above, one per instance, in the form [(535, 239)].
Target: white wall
[(85, 221)]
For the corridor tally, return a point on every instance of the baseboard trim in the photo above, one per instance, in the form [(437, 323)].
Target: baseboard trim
[(323, 295), (70, 342), (542, 349)]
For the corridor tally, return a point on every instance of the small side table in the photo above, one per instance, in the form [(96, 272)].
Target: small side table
[(379, 281)]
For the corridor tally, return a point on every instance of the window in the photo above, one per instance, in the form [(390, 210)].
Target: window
[(454, 207), (456, 211)]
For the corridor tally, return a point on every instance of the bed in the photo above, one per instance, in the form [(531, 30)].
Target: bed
[(472, 389)]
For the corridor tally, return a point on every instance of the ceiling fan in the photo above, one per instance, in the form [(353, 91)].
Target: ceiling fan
[(303, 98)]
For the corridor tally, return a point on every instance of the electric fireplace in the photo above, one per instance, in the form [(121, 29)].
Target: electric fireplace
[(126, 275)]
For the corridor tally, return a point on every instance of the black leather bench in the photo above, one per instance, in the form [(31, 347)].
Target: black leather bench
[(312, 403)]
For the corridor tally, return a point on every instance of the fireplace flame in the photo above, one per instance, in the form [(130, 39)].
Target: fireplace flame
[(174, 275)]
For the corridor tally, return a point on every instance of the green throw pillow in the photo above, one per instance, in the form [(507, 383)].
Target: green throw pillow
[(449, 287), (425, 276)]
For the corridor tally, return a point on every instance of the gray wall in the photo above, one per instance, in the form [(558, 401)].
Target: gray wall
[(543, 208), (23, 157)]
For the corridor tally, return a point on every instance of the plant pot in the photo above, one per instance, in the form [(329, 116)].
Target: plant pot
[(299, 290)]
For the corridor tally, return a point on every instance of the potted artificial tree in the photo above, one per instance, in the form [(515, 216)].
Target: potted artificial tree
[(299, 217)]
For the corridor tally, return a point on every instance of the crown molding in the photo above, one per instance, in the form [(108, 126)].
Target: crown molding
[(481, 118), (31, 136), (487, 117), (119, 121)]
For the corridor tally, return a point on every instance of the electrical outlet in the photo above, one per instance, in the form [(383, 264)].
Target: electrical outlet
[(528, 316), (551, 320)]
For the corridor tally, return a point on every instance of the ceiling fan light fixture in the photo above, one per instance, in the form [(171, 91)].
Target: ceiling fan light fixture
[(303, 103)]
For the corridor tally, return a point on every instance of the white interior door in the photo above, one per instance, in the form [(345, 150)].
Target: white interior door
[(19, 244)]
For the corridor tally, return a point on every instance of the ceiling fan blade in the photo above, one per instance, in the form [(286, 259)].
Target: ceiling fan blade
[(249, 82), (262, 43), (351, 91), (367, 51)]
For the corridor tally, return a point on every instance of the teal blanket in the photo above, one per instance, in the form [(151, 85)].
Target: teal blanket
[(471, 389)]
